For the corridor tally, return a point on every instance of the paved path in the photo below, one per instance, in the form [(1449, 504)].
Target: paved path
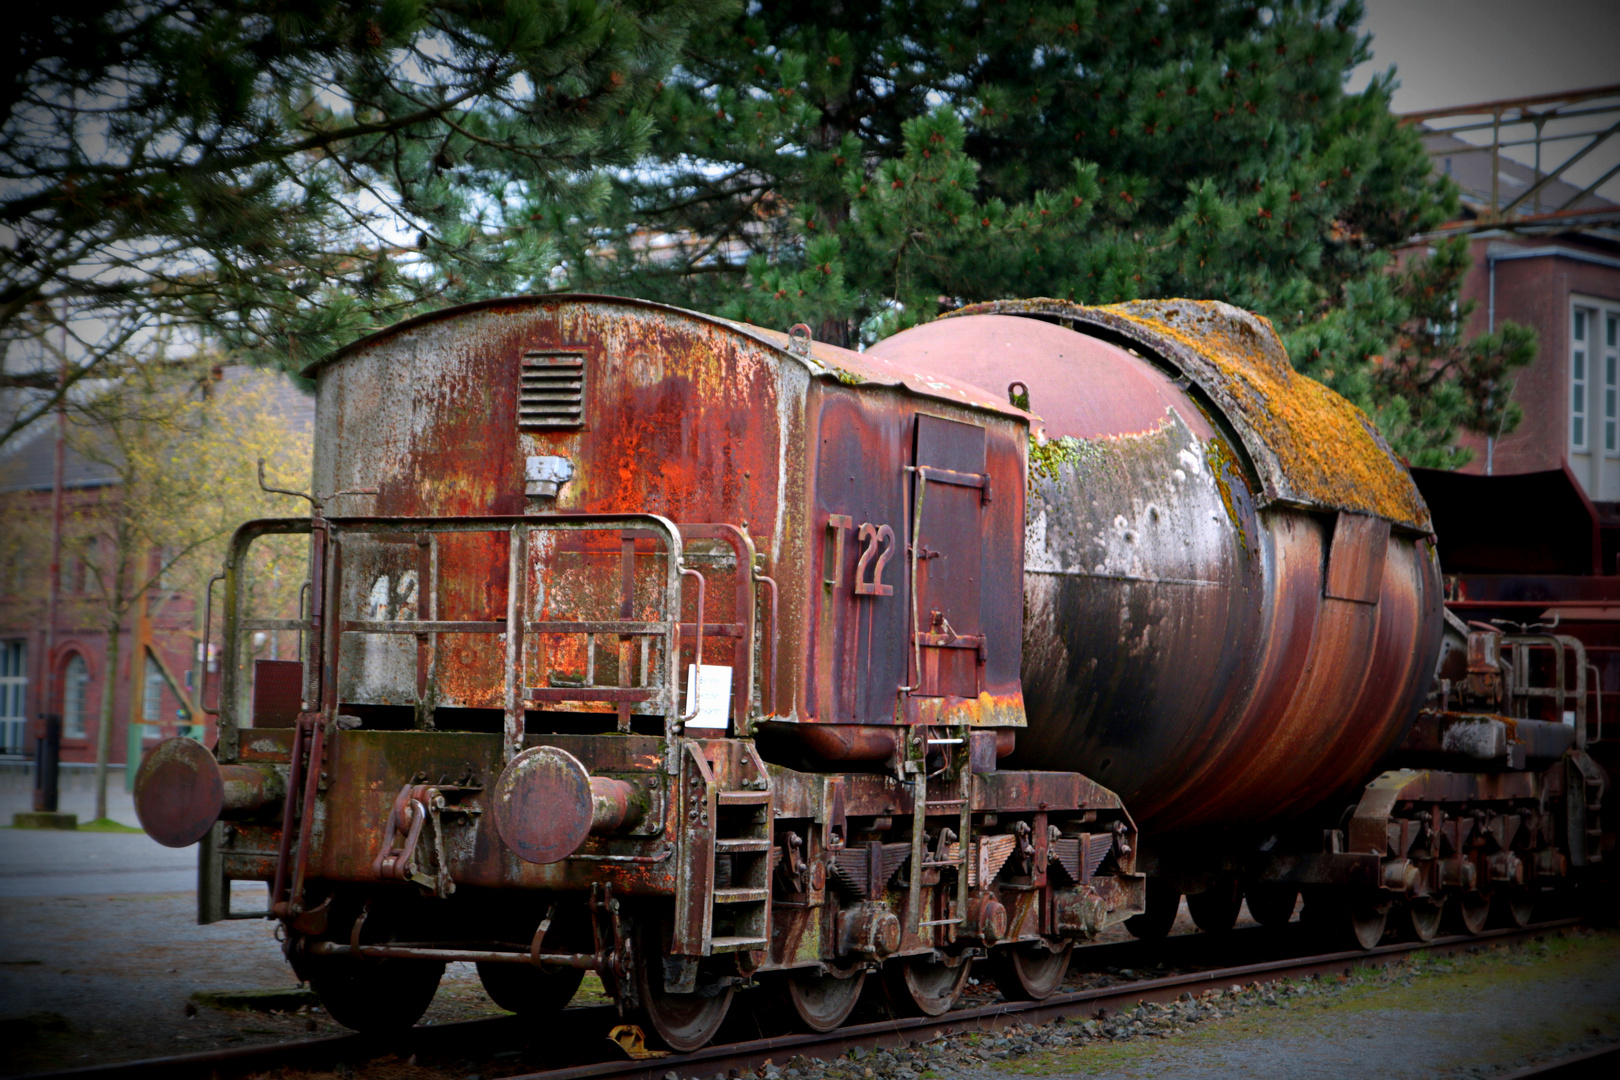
[(77, 797), (47, 862)]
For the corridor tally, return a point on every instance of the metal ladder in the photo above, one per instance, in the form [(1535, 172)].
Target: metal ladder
[(921, 809), (744, 902)]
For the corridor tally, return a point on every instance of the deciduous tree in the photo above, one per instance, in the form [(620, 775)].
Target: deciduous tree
[(183, 453)]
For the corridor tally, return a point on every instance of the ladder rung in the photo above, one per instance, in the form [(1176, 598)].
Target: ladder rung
[(742, 844), (944, 802), (742, 798), (737, 944), (943, 742), (741, 896), (945, 862), (941, 922)]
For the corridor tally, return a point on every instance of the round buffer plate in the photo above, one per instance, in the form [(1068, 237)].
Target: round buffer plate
[(179, 792), (542, 804)]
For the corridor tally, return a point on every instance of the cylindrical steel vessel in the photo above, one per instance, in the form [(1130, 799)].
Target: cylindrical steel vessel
[(1231, 598)]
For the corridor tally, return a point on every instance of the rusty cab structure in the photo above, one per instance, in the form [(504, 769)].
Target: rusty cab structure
[(646, 643)]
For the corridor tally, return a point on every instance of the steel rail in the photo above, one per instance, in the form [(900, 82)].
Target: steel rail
[(487, 1034)]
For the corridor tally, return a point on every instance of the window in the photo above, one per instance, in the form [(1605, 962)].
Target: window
[(1611, 385), (13, 688), (152, 699), (1594, 378), (88, 564), (75, 682), (1579, 350)]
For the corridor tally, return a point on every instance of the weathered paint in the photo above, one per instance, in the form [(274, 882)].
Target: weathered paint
[(700, 420)]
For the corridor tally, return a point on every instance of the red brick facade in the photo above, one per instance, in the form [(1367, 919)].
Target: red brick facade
[(80, 632), (1539, 281)]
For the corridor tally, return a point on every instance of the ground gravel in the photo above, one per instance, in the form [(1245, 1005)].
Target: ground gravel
[(100, 978)]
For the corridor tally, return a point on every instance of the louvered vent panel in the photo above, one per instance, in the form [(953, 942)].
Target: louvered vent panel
[(551, 393)]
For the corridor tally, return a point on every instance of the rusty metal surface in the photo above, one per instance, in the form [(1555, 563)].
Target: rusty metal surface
[(1202, 653), (701, 420), (542, 804)]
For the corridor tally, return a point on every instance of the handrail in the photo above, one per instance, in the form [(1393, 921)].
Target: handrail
[(203, 646), (768, 700), (697, 660)]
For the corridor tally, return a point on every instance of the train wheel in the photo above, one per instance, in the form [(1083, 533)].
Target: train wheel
[(1468, 912), (1163, 904), (822, 1002), (1367, 922), (373, 995), (1513, 908), (680, 1022), (921, 986), (1272, 905), (1215, 910), (1420, 917), (1029, 972), (528, 990)]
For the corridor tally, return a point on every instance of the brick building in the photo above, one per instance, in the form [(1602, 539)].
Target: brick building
[(1546, 253), (157, 647)]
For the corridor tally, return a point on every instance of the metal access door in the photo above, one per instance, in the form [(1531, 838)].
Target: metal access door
[(949, 490)]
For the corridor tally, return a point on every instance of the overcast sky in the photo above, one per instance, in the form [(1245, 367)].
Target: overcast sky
[(1451, 52)]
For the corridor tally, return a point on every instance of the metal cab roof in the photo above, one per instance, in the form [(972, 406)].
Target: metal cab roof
[(821, 359)]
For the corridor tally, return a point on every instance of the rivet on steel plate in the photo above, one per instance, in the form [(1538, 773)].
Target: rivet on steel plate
[(799, 339)]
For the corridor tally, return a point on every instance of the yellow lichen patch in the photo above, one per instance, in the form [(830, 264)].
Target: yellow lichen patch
[(1324, 445), (1223, 463)]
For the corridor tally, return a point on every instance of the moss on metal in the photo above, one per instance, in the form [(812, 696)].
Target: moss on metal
[(1324, 443), (1310, 446), (1223, 463), (1045, 458)]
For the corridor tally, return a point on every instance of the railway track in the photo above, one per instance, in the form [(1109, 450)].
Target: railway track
[(576, 1055)]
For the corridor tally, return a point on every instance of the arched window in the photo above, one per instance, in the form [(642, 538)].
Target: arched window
[(75, 681)]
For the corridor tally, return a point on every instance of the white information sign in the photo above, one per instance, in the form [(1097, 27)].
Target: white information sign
[(712, 686)]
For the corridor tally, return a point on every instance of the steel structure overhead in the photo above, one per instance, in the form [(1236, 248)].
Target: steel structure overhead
[(1598, 110)]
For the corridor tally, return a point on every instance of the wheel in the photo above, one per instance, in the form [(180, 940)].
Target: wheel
[(1272, 905), (822, 1002), (528, 990), (1468, 912), (373, 995), (1215, 910), (1513, 908), (679, 1022), (1420, 917), (1163, 904), (922, 986), (1367, 922), (1029, 972)]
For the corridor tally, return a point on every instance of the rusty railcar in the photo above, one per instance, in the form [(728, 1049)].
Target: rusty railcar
[(1233, 600), (1233, 616), (647, 643)]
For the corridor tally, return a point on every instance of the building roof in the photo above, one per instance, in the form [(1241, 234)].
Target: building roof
[(32, 466), (1470, 167)]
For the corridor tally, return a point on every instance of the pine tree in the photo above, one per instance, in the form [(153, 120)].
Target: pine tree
[(283, 175), (862, 167)]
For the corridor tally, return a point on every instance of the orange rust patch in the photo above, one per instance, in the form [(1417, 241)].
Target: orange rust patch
[(1325, 445)]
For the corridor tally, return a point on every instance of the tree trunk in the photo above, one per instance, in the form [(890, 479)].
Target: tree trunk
[(105, 725)]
